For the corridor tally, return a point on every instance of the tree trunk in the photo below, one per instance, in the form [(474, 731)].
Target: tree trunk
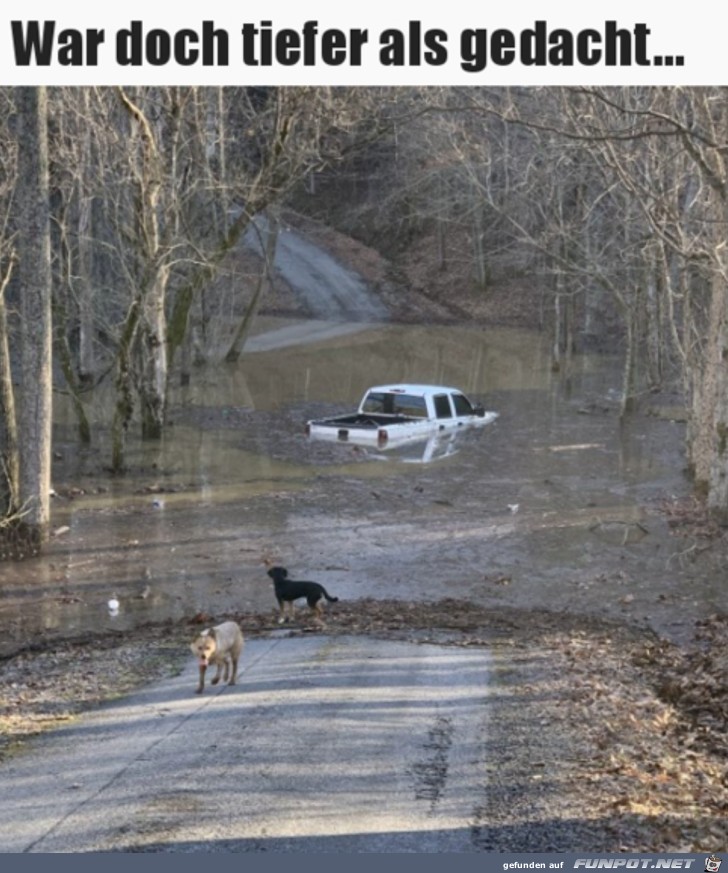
[(707, 378), (153, 254), (34, 279), (124, 407), (153, 368), (716, 377), (185, 297), (629, 368), (10, 454), (479, 266), (84, 294), (65, 360), (653, 318), (265, 278), (556, 344)]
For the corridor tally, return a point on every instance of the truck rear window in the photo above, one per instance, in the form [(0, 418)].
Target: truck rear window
[(383, 403)]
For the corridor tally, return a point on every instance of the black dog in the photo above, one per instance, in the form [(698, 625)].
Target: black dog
[(287, 590)]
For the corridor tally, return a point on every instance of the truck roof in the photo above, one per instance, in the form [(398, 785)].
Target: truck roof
[(414, 388)]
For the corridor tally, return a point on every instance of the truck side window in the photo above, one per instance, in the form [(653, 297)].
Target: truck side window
[(442, 406), (410, 404), (462, 405)]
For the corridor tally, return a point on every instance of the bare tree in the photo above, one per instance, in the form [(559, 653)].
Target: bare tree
[(9, 440), (667, 149), (34, 280), (10, 454), (268, 244)]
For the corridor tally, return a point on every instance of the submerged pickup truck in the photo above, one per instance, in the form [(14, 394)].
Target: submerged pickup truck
[(390, 415)]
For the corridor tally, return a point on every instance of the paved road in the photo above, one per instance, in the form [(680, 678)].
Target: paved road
[(326, 745)]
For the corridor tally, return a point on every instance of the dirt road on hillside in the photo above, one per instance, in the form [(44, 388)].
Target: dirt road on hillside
[(330, 290)]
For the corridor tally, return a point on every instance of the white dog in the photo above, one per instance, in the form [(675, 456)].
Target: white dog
[(219, 646)]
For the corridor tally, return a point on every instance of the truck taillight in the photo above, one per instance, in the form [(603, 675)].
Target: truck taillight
[(382, 438)]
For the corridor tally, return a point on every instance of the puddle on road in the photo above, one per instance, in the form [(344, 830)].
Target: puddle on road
[(186, 530)]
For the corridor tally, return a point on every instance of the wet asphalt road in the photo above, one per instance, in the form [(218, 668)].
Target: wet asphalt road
[(342, 745)]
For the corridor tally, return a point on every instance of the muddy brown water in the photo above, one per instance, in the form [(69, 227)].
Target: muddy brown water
[(553, 506)]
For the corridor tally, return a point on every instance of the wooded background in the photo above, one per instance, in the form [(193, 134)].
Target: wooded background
[(119, 207)]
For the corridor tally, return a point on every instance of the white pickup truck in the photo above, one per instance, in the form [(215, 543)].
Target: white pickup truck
[(390, 415)]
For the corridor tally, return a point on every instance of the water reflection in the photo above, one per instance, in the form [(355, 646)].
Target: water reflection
[(336, 371), (341, 369)]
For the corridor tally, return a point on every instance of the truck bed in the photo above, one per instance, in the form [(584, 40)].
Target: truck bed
[(363, 420)]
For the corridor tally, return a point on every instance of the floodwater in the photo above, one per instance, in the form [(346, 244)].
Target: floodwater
[(549, 507)]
